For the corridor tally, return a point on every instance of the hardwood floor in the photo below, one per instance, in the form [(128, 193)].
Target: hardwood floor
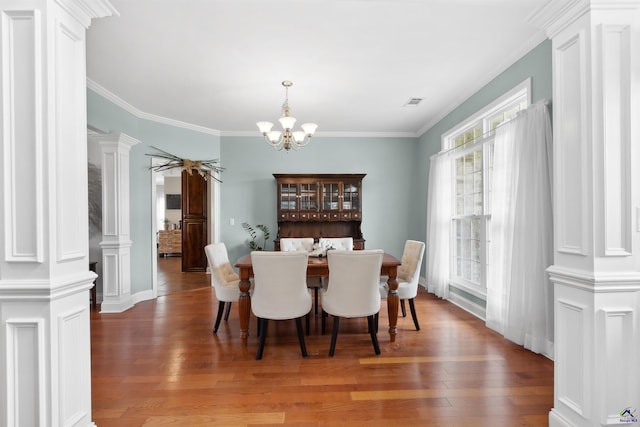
[(171, 278), (159, 364)]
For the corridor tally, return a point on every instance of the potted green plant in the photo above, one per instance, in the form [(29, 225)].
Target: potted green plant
[(253, 244)]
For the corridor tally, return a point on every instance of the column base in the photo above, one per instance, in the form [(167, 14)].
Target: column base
[(557, 420)]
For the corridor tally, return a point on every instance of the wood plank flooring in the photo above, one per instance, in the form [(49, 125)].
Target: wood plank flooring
[(159, 364), (171, 278)]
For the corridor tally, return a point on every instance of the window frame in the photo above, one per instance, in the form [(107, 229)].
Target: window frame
[(507, 103)]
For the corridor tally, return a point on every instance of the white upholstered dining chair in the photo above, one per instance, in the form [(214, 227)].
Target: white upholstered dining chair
[(288, 244), (337, 243), (223, 279), (408, 276), (353, 290), (280, 291), (334, 243)]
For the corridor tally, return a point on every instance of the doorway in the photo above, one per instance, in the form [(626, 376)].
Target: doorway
[(167, 276)]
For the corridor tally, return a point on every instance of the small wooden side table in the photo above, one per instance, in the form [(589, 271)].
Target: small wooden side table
[(94, 298)]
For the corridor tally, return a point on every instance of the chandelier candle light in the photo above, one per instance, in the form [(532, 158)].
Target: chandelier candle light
[(287, 139)]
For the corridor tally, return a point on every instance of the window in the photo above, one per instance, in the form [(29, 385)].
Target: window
[(472, 145)]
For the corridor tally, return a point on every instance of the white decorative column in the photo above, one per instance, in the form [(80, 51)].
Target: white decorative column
[(45, 369), (116, 240), (596, 271)]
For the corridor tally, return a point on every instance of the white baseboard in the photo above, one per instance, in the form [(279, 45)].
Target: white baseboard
[(478, 311)]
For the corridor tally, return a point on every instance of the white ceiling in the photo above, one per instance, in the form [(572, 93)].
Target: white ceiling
[(219, 64)]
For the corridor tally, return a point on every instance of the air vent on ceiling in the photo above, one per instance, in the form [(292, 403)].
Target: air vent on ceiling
[(413, 102)]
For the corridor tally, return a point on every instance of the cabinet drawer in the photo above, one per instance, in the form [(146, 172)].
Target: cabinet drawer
[(306, 216)]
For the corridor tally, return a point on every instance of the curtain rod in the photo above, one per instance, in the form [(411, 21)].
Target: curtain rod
[(488, 133)]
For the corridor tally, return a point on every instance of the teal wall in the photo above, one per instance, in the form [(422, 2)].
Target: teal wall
[(249, 190), (394, 190)]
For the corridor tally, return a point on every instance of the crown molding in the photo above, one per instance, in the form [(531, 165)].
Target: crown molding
[(317, 135), (367, 134), (111, 97), (86, 10), (103, 92), (558, 14)]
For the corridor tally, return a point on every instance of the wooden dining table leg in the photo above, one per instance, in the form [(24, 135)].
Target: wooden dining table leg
[(244, 305), (392, 303)]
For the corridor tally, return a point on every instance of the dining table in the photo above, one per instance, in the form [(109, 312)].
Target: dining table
[(318, 267)]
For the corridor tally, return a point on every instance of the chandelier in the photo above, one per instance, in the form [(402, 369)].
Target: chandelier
[(287, 139)]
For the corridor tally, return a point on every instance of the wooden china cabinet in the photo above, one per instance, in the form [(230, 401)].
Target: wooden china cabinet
[(319, 205)]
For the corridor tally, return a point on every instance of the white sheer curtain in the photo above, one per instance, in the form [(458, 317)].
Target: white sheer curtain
[(439, 224), (519, 292)]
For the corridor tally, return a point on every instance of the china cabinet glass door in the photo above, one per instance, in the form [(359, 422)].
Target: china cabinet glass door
[(308, 197), (288, 197), (330, 196), (350, 197)]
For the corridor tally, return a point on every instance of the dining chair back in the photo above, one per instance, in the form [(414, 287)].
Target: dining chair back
[(224, 280), (334, 243), (337, 243), (352, 290), (280, 291), (288, 244), (408, 277)]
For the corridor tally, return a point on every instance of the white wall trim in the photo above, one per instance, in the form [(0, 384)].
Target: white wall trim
[(105, 93), (25, 352), (86, 10), (467, 305), (334, 134), (595, 282), (521, 89), (144, 296), (110, 96)]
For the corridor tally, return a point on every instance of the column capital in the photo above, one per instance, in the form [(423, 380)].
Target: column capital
[(558, 14), (86, 10), (119, 140)]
